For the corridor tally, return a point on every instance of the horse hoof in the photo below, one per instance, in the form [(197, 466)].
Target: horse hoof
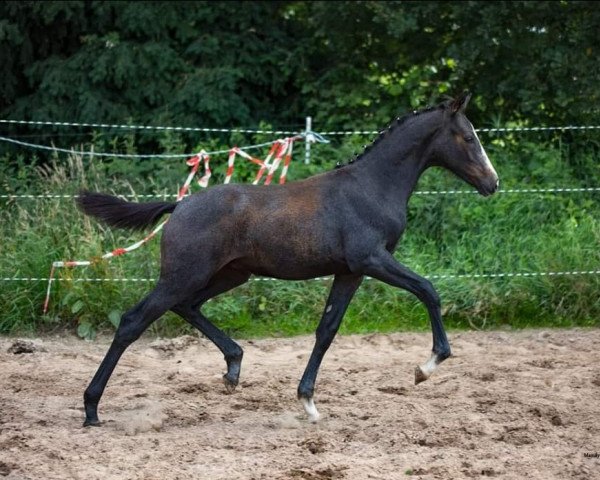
[(420, 375), (92, 423), (229, 385)]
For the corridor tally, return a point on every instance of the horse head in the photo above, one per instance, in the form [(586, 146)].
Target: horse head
[(457, 148)]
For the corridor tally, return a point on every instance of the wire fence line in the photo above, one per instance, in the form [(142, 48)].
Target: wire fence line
[(513, 190), (553, 190), (125, 155), (323, 279), (479, 130), (166, 196), (309, 135), (270, 132), (319, 138), (147, 127)]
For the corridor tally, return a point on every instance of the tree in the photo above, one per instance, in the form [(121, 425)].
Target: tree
[(348, 64), (534, 62), (152, 62)]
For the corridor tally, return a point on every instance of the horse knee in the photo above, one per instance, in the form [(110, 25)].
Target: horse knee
[(326, 330), (435, 299)]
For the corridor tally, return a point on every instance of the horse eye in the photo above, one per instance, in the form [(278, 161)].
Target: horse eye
[(469, 139)]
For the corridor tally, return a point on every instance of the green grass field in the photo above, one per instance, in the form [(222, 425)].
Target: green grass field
[(446, 235)]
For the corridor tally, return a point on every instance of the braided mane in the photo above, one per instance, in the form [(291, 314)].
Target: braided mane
[(395, 124)]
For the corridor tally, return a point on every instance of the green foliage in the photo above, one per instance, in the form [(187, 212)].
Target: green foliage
[(447, 234), (162, 62), (350, 65)]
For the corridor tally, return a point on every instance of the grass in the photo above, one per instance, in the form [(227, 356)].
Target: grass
[(446, 234)]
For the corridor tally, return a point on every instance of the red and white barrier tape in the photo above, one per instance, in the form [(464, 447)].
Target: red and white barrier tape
[(279, 148), (286, 163), (230, 166)]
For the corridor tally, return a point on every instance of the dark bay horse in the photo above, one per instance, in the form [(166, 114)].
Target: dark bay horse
[(345, 222)]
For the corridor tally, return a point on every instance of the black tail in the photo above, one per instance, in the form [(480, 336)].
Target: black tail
[(120, 213)]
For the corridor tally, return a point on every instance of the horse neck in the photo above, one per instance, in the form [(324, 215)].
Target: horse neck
[(391, 168)]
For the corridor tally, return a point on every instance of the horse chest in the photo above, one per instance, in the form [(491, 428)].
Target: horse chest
[(388, 227)]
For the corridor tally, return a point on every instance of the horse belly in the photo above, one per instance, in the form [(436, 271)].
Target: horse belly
[(293, 257), (293, 270)]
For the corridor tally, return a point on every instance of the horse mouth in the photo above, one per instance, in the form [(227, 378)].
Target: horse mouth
[(488, 188)]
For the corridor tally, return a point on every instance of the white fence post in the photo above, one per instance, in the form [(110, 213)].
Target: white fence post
[(308, 139)]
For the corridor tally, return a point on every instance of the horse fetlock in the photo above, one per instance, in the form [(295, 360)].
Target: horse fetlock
[(91, 396), (91, 415), (235, 355), (443, 354), (234, 360), (306, 389), (234, 365)]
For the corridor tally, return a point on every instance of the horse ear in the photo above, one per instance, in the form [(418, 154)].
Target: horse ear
[(460, 103)]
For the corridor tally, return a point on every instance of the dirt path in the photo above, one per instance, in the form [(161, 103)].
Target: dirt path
[(508, 405)]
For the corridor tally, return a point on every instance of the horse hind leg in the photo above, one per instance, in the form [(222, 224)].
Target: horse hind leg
[(133, 324), (222, 282)]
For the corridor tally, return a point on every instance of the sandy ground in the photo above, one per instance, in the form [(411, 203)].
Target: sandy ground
[(507, 405)]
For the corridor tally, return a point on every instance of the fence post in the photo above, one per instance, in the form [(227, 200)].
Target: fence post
[(308, 139)]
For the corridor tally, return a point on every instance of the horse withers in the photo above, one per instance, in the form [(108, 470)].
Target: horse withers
[(345, 222)]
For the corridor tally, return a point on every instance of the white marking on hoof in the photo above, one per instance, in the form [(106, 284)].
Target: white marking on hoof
[(310, 409), (424, 371)]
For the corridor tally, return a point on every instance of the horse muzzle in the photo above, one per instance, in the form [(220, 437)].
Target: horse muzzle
[(489, 186)]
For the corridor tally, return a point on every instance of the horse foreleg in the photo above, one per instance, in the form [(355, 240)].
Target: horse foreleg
[(384, 267), (223, 281), (341, 293)]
